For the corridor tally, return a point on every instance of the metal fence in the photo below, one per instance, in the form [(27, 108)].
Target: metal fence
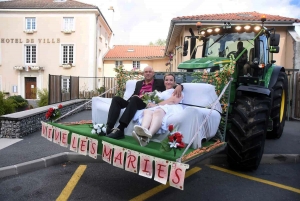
[(65, 88)]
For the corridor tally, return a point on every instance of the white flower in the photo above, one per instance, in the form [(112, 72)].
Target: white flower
[(99, 130), (104, 129), (95, 126), (93, 131), (173, 144)]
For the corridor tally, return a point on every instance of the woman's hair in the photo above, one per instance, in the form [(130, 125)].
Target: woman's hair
[(169, 74)]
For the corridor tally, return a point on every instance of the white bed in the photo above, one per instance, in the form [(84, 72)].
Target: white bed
[(187, 122)]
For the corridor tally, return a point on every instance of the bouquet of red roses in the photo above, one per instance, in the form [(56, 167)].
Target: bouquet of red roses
[(173, 141), (53, 113)]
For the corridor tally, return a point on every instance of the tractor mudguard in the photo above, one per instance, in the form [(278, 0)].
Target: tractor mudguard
[(274, 75), (255, 89)]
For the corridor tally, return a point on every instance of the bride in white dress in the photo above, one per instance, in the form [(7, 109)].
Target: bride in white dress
[(153, 120)]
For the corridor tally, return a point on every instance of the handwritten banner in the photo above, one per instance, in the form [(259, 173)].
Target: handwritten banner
[(129, 160)]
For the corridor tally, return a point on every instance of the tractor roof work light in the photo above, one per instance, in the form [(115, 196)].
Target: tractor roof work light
[(217, 30), (257, 28), (238, 28), (247, 27)]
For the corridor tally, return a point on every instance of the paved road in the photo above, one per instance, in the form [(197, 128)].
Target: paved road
[(101, 181)]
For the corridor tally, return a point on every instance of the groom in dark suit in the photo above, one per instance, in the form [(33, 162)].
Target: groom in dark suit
[(133, 104)]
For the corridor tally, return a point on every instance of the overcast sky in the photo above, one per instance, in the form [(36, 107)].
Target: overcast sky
[(138, 22)]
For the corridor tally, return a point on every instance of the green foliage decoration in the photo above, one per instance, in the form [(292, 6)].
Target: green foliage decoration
[(43, 95), (123, 76), (218, 78)]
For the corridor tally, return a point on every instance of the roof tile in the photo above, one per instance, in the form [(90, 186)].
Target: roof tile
[(44, 4), (139, 51), (241, 16)]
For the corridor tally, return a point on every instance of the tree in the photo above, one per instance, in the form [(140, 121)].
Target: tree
[(159, 42)]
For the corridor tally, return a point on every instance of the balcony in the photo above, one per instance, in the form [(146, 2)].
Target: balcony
[(67, 31), (29, 68), (29, 31), (67, 65)]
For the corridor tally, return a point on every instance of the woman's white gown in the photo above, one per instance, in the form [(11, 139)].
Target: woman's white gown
[(169, 110)]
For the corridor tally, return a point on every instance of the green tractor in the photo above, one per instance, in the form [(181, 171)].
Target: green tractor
[(259, 90)]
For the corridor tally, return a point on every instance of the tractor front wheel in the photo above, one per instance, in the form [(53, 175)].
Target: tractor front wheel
[(279, 107), (246, 138)]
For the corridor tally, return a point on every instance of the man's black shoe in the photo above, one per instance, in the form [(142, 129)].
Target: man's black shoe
[(116, 134), (108, 130)]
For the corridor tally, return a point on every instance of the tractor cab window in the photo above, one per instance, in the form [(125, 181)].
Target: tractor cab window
[(223, 45), (261, 53)]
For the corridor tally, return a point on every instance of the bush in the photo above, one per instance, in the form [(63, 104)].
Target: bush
[(43, 95), (20, 103), (9, 105)]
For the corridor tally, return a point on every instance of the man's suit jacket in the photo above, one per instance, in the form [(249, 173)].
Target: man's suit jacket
[(158, 85)]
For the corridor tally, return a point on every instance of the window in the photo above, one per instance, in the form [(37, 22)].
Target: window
[(67, 54), (136, 64), (65, 84), (68, 24), (118, 63), (30, 54), (30, 23)]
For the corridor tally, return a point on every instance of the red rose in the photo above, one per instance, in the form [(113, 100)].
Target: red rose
[(178, 136), (59, 106), (171, 127), (181, 145)]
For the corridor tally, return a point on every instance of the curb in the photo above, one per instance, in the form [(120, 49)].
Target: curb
[(75, 157)]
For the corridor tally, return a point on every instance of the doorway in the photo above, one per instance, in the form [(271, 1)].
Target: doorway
[(30, 87)]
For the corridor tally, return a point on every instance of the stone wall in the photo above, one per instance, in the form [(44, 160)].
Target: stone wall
[(17, 125)]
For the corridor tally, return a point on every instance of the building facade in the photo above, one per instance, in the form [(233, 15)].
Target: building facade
[(135, 57), (56, 37), (288, 55)]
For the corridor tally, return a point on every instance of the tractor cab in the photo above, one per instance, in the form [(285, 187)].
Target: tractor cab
[(249, 46)]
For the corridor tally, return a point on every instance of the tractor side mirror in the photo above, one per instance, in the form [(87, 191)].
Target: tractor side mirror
[(185, 48), (274, 49), (274, 39)]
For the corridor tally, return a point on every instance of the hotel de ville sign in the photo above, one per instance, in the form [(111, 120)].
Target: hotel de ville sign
[(31, 40)]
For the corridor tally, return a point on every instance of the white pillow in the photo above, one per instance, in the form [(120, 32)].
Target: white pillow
[(130, 86), (200, 94)]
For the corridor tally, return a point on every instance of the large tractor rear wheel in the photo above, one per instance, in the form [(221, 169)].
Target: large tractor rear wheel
[(279, 107), (246, 138)]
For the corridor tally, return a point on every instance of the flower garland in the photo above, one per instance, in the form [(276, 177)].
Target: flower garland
[(99, 129), (219, 79), (53, 113), (173, 141)]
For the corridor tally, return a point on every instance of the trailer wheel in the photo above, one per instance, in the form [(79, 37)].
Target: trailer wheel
[(279, 107), (246, 138)]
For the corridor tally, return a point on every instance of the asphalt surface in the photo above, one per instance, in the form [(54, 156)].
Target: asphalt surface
[(35, 152)]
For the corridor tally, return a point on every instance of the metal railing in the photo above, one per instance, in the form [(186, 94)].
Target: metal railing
[(64, 88)]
